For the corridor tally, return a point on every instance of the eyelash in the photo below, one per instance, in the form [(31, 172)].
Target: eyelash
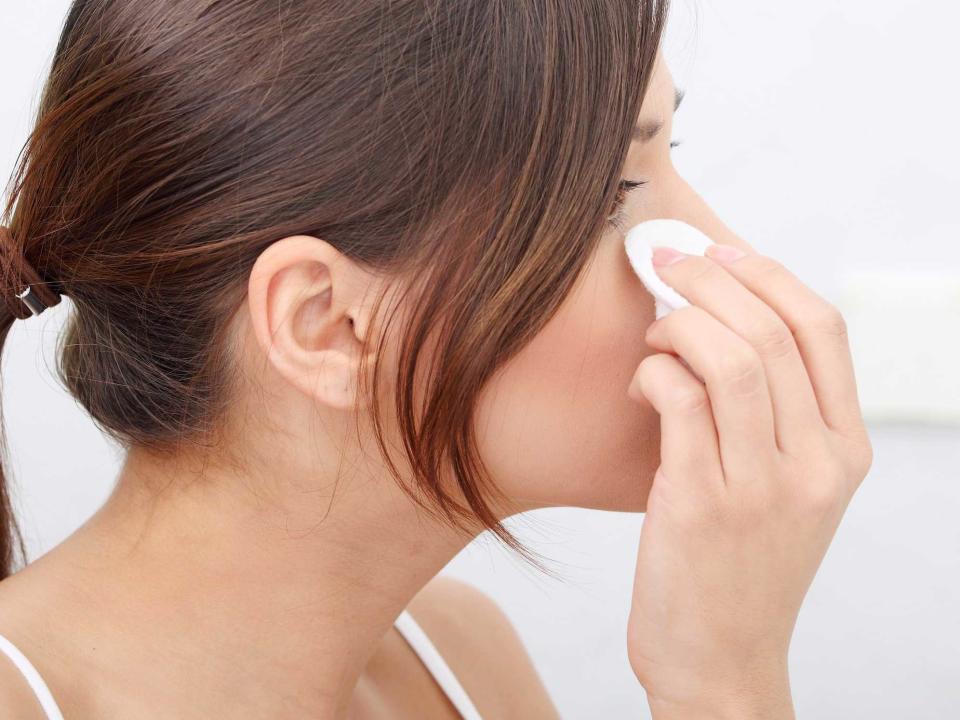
[(616, 216)]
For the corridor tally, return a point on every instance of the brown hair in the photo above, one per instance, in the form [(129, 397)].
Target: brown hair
[(476, 146)]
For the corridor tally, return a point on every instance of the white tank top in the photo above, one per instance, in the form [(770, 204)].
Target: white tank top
[(405, 623)]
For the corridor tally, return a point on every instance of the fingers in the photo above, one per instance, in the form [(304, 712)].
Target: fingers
[(735, 381), (689, 451), (708, 285), (820, 333)]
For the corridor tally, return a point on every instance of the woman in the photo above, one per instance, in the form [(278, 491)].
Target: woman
[(348, 288)]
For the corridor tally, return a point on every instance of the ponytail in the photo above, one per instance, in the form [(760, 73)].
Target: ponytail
[(37, 295), (11, 541)]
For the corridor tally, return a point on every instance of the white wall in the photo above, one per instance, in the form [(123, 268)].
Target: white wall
[(825, 133)]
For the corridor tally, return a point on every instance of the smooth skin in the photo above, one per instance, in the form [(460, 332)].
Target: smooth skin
[(758, 464), (261, 578)]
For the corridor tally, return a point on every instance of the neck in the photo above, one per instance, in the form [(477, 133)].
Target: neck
[(287, 594)]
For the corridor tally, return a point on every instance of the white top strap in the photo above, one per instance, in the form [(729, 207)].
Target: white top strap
[(36, 682), (405, 623), (437, 666)]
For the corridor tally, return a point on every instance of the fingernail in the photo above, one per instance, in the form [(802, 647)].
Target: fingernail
[(666, 256), (724, 253)]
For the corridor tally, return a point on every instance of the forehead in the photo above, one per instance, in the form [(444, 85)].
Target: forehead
[(658, 102)]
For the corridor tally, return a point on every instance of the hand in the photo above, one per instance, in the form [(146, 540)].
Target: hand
[(758, 465)]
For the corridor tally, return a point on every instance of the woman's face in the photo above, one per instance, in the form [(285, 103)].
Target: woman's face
[(555, 425)]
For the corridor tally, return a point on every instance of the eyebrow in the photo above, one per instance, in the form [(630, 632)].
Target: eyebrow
[(646, 131)]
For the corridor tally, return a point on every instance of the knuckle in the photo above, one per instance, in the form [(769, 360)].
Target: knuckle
[(644, 367), (854, 455), (862, 460), (648, 366), (773, 340), (740, 372), (691, 400), (825, 488), (867, 457), (765, 265), (821, 495), (831, 321), (643, 376)]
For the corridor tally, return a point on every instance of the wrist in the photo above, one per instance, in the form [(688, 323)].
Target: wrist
[(774, 706), (761, 695)]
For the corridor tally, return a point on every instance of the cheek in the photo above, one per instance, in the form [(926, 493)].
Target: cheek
[(555, 425)]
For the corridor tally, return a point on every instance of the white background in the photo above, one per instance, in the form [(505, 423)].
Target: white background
[(826, 134)]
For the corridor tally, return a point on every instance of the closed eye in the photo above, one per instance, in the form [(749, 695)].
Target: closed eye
[(616, 216)]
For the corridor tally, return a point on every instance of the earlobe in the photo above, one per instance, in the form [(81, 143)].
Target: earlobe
[(301, 304), (337, 378)]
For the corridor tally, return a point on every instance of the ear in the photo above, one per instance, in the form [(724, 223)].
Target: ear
[(307, 308)]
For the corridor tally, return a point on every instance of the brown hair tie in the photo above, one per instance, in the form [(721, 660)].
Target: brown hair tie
[(37, 295)]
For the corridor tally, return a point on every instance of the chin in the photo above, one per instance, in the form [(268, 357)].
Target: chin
[(602, 461), (623, 484), (623, 487), (628, 495)]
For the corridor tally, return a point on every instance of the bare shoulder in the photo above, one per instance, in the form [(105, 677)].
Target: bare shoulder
[(16, 698), (26, 621), (482, 647)]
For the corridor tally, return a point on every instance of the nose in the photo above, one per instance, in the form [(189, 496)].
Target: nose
[(693, 209)]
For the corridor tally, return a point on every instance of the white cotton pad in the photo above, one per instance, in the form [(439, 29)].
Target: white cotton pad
[(639, 244)]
